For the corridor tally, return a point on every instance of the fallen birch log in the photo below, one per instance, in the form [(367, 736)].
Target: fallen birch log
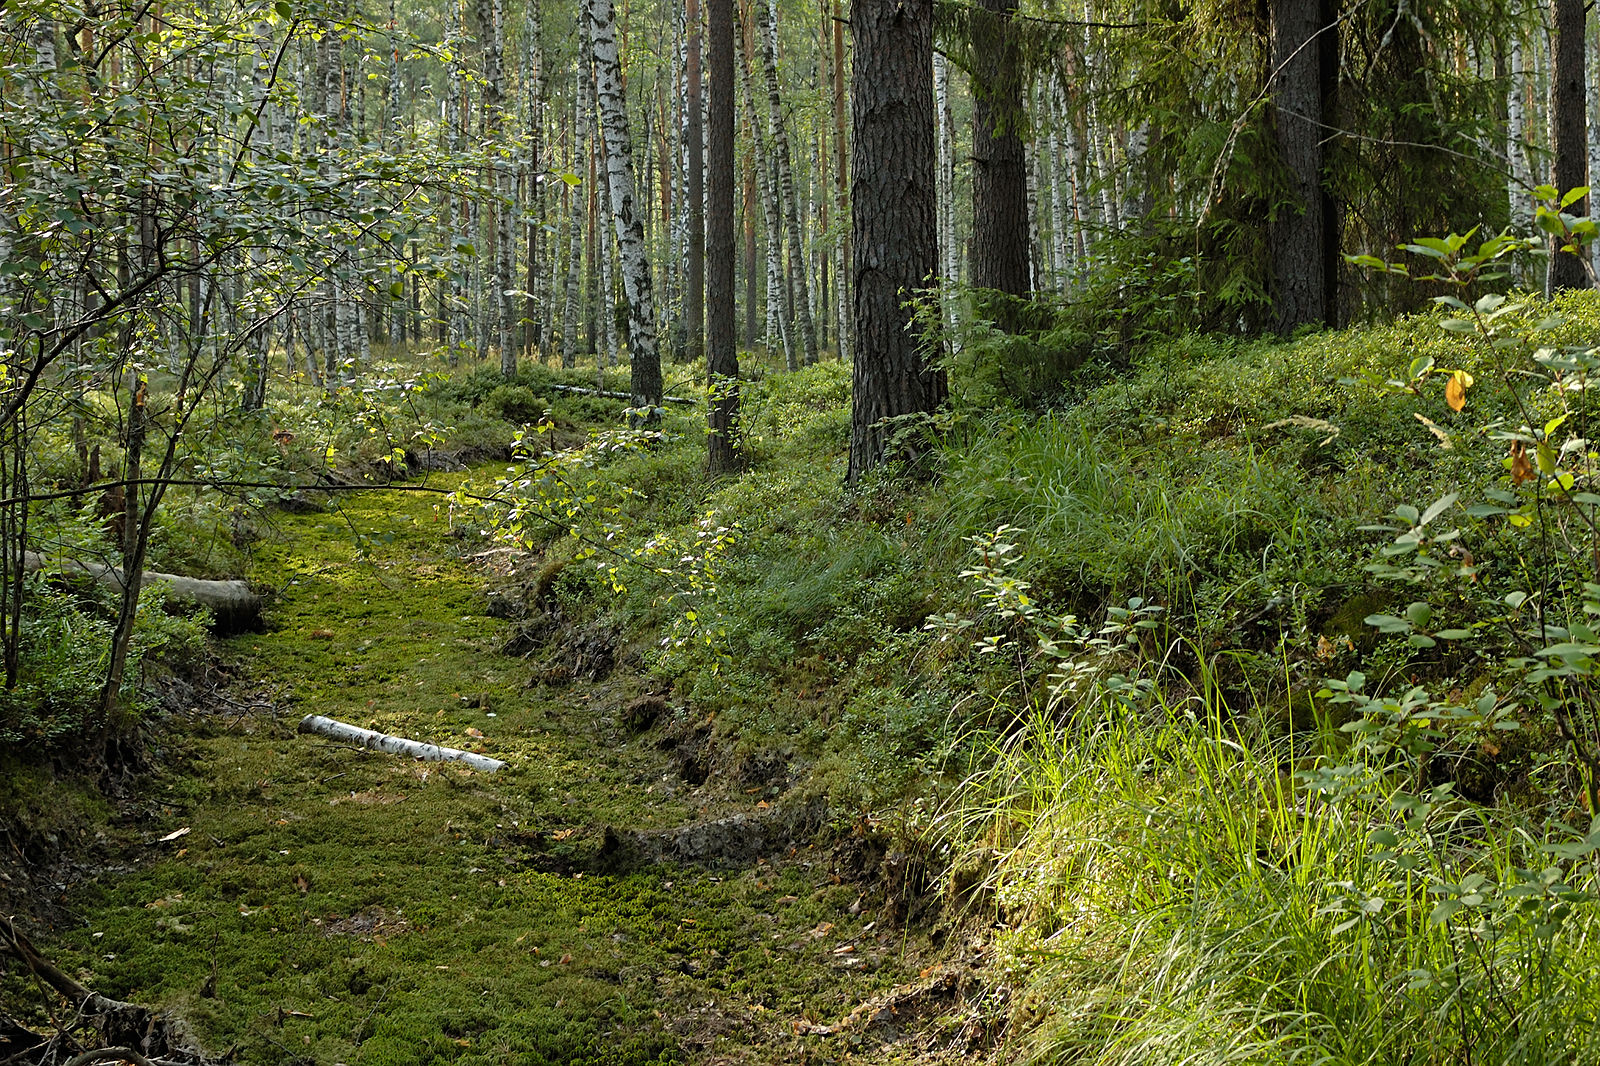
[(235, 606), (371, 738), (613, 395)]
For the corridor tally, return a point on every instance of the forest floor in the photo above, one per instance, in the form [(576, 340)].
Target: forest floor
[(297, 900)]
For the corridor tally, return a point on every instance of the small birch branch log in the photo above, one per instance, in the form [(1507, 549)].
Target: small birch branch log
[(612, 395), (371, 738)]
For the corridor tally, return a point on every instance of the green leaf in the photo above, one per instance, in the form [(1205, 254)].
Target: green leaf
[(1459, 325), (1574, 195), (1443, 911), (1438, 507), (1432, 247), (283, 9)]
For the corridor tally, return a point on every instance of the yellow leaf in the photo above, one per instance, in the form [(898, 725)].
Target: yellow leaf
[(1455, 390), (1521, 469)]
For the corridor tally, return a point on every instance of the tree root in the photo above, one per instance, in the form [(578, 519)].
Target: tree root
[(127, 1031)]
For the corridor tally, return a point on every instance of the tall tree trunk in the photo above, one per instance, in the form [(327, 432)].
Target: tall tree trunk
[(694, 281), (841, 191), (577, 198), (722, 356), (1060, 237), (536, 302), (946, 182), (1000, 239), (893, 210), (777, 307), (605, 300), (1296, 238), (1570, 154), (751, 272), (644, 357), (799, 286), (500, 312)]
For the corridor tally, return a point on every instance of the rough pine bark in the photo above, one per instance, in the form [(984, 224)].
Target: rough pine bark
[(722, 356), (1000, 234), (1296, 239), (893, 212), (644, 358), (1570, 162), (694, 281), (841, 192)]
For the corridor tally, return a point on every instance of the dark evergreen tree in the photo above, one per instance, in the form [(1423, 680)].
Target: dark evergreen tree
[(893, 216)]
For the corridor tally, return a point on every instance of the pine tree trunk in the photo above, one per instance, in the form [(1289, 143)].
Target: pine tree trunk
[(722, 356), (894, 214), (1000, 244), (841, 192), (694, 282), (644, 357), (1296, 232), (1570, 156)]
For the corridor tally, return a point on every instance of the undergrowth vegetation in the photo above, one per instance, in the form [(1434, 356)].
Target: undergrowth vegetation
[(1247, 685), (1103, 641)]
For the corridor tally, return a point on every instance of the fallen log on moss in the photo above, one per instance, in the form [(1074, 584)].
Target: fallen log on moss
[(371, 738), (613, 395), (236, 607)]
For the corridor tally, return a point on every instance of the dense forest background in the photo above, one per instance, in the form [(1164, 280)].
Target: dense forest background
[(1114, 478)]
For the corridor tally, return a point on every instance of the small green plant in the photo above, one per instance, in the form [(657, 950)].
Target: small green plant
[(1078, 659)]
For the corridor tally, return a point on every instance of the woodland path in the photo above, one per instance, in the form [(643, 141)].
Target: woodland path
[(330, 905)]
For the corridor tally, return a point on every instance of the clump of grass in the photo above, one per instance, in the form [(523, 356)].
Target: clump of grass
[(1178, 894)]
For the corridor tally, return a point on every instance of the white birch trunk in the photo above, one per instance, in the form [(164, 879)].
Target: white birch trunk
[(777, 317), (1030, 168), (798, 283), (1082, 205), (605, 353), (946, 193), (371, 738), (577, 198), (1520, 183), (1060, 256), (1135, 199), (629, 227), (1592, 81)]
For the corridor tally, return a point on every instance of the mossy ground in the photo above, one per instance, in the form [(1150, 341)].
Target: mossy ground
[(334, 905)]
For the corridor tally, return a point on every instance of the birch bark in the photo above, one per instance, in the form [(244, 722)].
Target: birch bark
[(645, 359), (798, 283)]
